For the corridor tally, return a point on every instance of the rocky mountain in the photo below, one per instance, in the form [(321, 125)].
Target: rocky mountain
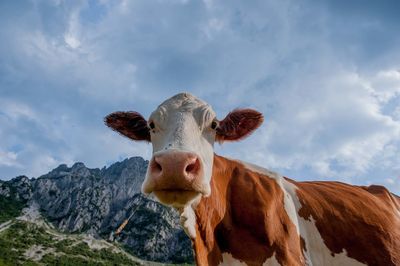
[(35, 242), (96, 201)]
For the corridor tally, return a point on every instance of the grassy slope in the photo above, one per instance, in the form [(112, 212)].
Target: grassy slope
[(9, 208), (48, 247)]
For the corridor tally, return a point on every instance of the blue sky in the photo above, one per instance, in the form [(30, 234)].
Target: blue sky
[(326, 75)]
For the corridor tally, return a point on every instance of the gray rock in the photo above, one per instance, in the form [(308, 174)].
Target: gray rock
[(5, 191), (154, 231), (94, 201), (20, 188)]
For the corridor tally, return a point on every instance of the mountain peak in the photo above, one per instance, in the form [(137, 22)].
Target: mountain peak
[(61, 167), (77, 166)]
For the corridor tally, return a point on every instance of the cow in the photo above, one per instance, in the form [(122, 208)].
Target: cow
[(237, 213)]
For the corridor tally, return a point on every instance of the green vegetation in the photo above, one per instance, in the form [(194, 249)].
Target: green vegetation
[(52, 249), (28, 244), (9, 208)]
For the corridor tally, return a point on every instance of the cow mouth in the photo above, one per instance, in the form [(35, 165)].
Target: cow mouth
[(175, 197)]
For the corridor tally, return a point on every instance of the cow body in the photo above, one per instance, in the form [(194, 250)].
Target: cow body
[(256, 217), (241, 214)]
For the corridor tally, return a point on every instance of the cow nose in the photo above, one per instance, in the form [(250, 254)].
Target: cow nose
[(192, 167), (175, 170), (176, 164)]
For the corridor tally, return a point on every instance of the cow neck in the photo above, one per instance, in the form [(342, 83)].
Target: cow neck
[(229, 222), (209, 213)]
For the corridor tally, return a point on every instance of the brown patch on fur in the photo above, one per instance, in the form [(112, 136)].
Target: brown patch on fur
[(384, 194), (245, 217), (238, 124), (364, 221), (129, 124)]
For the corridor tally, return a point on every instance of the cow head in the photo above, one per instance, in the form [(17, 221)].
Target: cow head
[(182, 130)]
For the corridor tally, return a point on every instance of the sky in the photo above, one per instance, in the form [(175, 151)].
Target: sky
[(325, 74)]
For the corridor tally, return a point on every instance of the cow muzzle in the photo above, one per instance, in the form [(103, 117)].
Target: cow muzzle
[(175, 177)]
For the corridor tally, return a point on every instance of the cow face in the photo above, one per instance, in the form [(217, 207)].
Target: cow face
[(182, 130)]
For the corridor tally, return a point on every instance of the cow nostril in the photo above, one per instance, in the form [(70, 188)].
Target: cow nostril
[(193, 166), (156, 167)]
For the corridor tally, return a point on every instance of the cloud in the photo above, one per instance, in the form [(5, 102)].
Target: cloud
[(385, 85), (329, 86), (35, 142), (338, 131), (9, 159)]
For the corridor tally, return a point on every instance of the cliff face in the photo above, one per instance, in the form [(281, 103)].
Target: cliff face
[(97, 201)]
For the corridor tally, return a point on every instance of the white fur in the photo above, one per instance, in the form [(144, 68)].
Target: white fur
[(188, 221), (188, 217), (183, 123), (228, 260), (272, 261)]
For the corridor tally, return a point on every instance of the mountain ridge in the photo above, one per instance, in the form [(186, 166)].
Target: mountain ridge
[(34, 241), (96, 201)]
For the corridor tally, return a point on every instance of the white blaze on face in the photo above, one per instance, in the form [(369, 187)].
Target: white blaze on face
[(183, 123)]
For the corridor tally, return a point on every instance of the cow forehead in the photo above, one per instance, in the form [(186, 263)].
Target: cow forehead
[(184, 103)]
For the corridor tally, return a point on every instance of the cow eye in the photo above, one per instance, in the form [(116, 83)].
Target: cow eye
[(214, 124), (151, 125)]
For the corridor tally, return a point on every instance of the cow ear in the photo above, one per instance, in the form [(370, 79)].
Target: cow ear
[(238, 124), (129, 124)]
